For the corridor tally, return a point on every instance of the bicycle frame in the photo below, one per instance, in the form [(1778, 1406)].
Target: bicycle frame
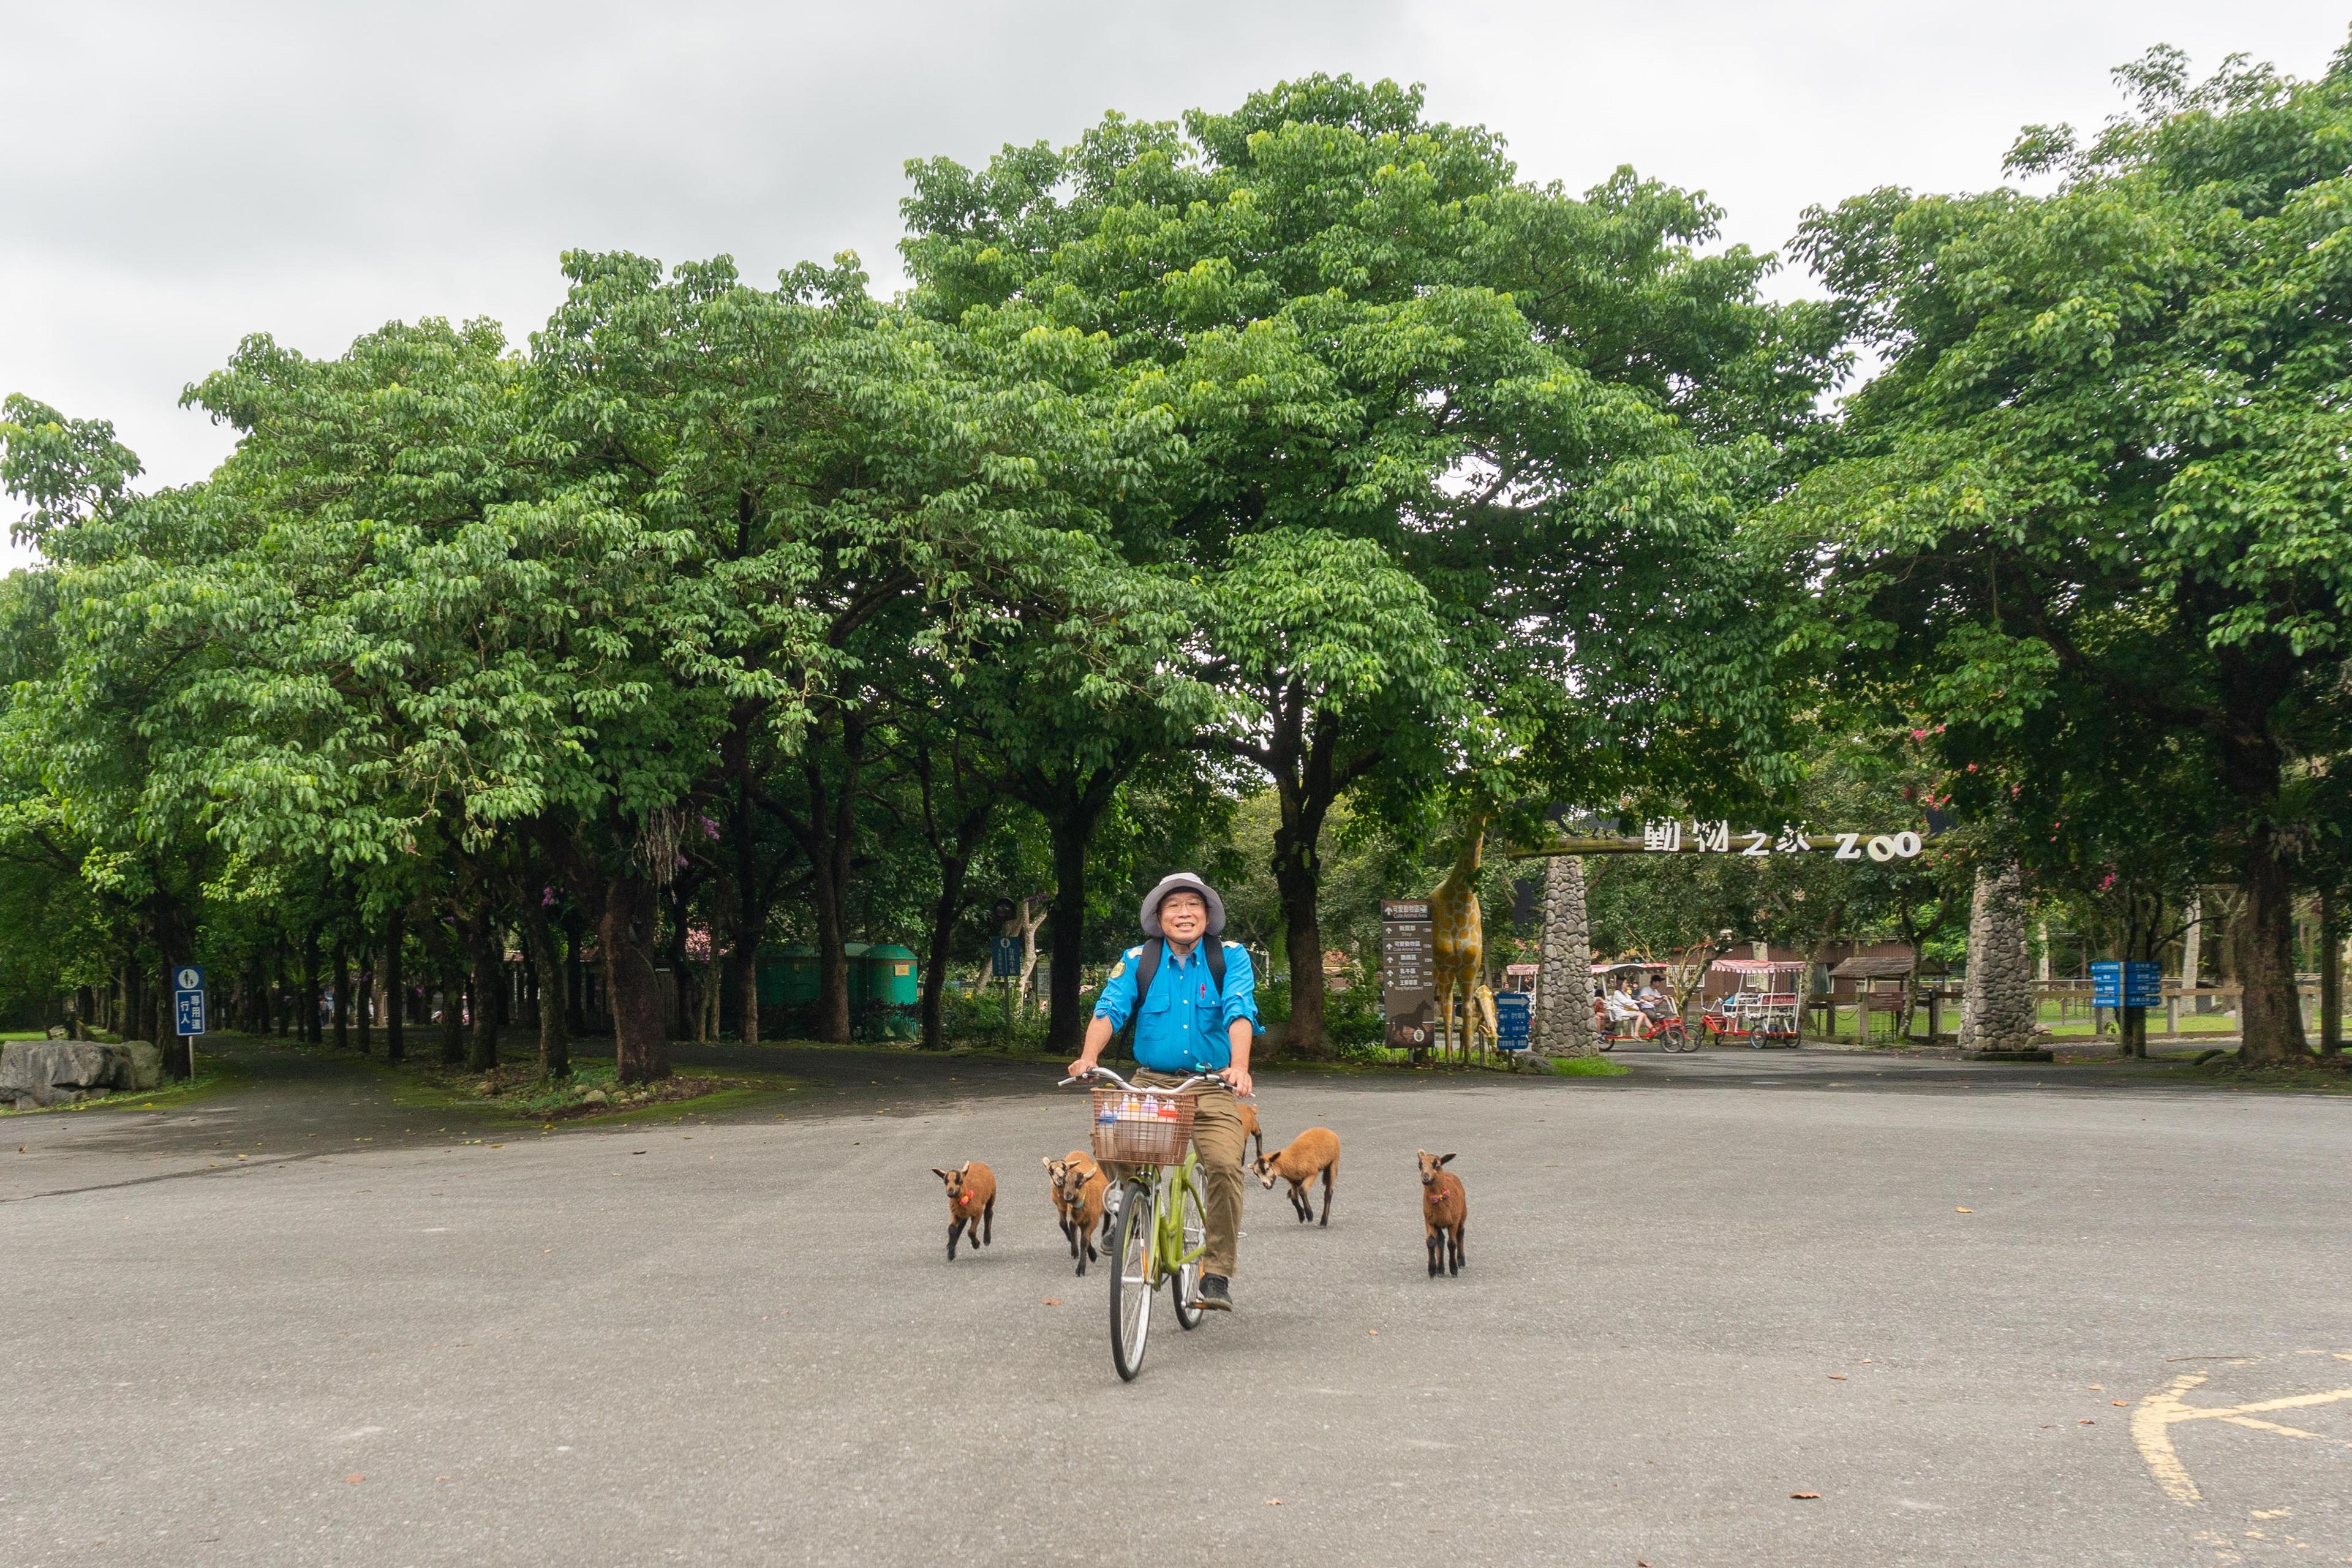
[(1161, 1255), (1167, 1189)]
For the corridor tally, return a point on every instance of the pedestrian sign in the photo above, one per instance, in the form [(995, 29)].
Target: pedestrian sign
[(188, 998), (2129, 983), (1005, 958)]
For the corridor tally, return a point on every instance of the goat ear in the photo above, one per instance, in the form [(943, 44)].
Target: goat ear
[(943, 1175), (1445, 1159), (1046, 1161)]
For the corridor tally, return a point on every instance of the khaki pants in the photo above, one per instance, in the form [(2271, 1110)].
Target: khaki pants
[(1217, 1138)]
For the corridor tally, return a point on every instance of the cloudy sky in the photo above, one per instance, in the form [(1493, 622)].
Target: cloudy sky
[(180, 173)]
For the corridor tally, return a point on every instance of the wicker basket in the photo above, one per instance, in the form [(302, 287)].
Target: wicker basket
[(1142, 1126)]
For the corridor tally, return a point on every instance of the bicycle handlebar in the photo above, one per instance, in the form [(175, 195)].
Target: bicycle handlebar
[(1140, 1088)]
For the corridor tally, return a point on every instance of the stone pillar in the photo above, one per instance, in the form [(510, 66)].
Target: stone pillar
[(1563, 1025), (1997, 1019)]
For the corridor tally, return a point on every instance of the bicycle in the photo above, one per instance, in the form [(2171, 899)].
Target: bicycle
[(1162, 1229)]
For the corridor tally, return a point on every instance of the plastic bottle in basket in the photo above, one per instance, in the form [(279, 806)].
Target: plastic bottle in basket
[(1167, 1108), (1150, 1108)]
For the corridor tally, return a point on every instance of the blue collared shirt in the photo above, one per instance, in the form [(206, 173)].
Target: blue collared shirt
[(1185, 1019)]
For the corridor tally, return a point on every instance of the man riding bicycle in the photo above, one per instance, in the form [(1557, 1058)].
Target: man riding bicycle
[(1197, 1013)]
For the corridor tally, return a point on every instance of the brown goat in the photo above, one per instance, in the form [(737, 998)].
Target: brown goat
[(1444, 1208), (1313, 1151), (972, 1200), (1250, 1128), (1079, 1188)]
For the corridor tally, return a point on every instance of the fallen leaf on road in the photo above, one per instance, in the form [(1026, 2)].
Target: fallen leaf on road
[(1374, 1332), (636, 1150), (2118, 1401), (1273, 1502), (545, 1250), (1805, 1497), (353, 1480), (2086, 1420), (1052, 1300), (1958, 1210), (2098, 1388), (1837, 1377)]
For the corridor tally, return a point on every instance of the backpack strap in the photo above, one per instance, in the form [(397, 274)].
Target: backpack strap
[(1147, 967)]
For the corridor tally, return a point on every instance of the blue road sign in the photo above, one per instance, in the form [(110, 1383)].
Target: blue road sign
[(1005, 958), (188, 998), (1511, 1019), (2136, 982)]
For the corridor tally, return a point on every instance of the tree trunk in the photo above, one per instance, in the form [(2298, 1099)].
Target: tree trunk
[(343, 1001), (366, 1021), (310, 1001), (1563, 1026), (396, 1039), (640, 1023), (453, 1016), (2193, 943), (1072, 834), (2271, 1009), (554, 1043), (1298, 881), (828, 890), (944, 911), (1997, 1002), (2331, 975), (483, 936)]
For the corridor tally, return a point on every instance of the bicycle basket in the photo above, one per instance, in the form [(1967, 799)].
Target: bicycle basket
[(1142, 1126)]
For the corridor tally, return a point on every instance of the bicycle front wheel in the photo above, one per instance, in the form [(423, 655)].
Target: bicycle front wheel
[(1188, 1274), (1130, 1282)]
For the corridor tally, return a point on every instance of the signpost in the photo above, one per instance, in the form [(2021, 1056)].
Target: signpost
[(2130, 987), (1005, 958), (2132, 983), (1513, 1011), (188, 1006), (1408, 974)]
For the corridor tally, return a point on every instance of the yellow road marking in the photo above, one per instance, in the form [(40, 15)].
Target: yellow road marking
[(2152, 1423)]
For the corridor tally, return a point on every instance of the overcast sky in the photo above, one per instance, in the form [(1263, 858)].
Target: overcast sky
[(178, 174)]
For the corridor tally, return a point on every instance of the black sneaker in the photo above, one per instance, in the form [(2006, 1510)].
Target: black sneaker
[(1213, 1296)]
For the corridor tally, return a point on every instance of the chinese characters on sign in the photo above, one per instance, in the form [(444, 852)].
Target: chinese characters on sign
[(1408, 971), (2133, 983), (1667, 835)]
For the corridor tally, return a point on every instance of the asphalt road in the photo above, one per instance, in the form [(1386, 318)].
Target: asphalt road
[(1916, 1289)]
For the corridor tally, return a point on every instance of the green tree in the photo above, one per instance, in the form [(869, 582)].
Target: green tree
[(2097, 501), (1361, 325)]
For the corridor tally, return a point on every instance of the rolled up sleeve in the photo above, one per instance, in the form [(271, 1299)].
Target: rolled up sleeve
[(1117, 998), (1241, 988)]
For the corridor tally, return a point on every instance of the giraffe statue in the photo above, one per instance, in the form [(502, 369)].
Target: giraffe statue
[(1459, 936)]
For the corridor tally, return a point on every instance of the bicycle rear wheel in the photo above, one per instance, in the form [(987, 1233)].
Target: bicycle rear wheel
[(1130, 1280), (1188, 1277)]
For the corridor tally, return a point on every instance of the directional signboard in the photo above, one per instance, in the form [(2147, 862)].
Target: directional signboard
[(2132, 983), (188, 998), (1512, 1015), (1005, 958), (1408, 973), (2135, 983)]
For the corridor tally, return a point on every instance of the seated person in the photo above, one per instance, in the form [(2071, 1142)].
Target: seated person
[(1624, 1009), (1654, 1001)]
